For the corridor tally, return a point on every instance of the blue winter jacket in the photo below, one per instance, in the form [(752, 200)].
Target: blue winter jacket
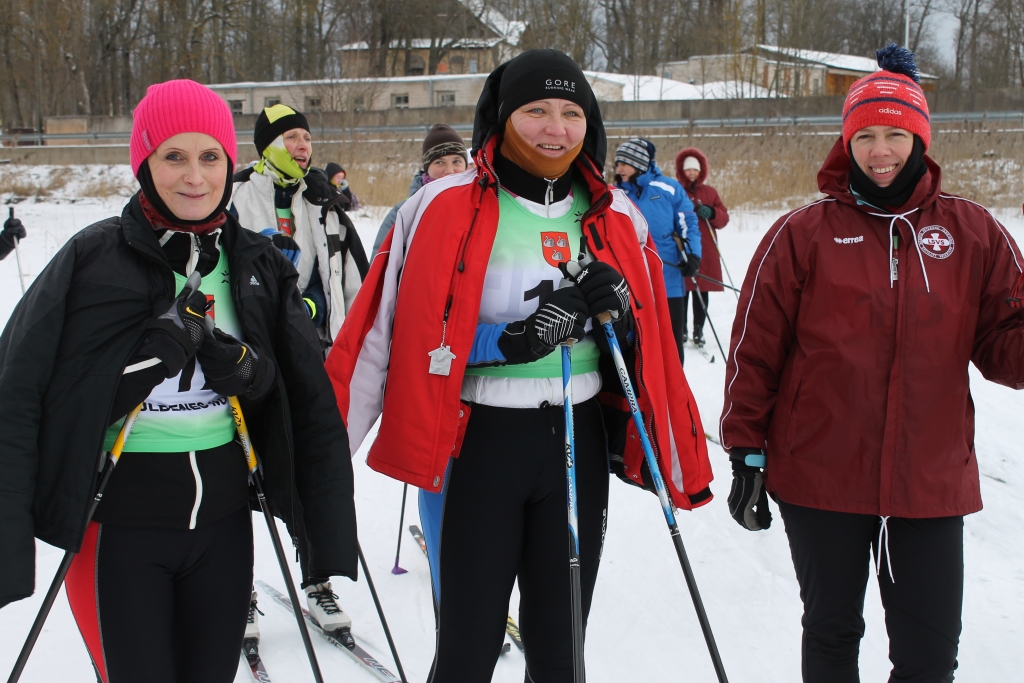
[(663, 202)]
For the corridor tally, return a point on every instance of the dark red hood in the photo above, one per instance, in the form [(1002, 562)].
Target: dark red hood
[(681, 157), (834, 181)]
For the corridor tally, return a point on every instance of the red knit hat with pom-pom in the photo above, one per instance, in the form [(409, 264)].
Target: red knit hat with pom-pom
[(890, 97)]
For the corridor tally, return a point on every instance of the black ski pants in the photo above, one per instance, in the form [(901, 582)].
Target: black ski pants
[(831, 554), (164, 605), (505, 516), (699, 311), (677, 314)]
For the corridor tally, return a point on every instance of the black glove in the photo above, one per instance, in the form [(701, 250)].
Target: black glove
[(233, 368), (748, 499), (13, 230), (690, 266), (176, 335), (603, 287), (562, 315), (706, 212)]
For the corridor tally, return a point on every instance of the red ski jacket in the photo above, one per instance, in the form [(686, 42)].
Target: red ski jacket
[(423, 290), (699, 193), (851, 343)]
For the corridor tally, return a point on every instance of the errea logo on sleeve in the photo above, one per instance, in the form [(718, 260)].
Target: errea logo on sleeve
[(849, 240)]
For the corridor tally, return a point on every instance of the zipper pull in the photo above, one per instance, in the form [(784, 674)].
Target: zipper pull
[(441, 358), (894, 261)]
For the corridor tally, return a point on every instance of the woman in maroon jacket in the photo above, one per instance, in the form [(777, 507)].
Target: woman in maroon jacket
[(847, 394), (692, 173)]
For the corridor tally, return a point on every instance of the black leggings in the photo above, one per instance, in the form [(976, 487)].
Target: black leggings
[(505, 516), (164, 605), (699, 314), (677, 314), (831, 554)]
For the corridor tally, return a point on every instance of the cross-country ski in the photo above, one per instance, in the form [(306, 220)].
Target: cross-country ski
[(345, 641)]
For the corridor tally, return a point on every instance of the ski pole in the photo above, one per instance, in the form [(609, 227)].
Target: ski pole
[(17, 254), (579, 675), (714, 238), (257, 479), (69, 556), (401, 520), (708, 317), (380, 613), (659, 486), (718, 282)]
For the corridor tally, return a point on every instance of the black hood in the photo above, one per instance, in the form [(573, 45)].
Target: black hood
[(489, 121)]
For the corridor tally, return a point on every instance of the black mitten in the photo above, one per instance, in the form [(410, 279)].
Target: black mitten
[(602, 286), (690, 266)]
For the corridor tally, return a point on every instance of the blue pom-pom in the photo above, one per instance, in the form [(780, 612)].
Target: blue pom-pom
[(898, 60)]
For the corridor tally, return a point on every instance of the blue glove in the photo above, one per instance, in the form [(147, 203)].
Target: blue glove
[(286, 244)]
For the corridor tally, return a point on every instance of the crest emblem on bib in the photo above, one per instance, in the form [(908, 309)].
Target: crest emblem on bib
[(555, 246), (935, 241)]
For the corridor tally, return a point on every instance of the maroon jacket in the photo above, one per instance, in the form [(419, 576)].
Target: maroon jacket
[(857, 384), (699, 193)]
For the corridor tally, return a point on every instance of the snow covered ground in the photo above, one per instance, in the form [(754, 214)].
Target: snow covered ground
[(642, 624)]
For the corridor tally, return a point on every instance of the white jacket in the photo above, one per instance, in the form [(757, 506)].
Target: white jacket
[(254, 202)]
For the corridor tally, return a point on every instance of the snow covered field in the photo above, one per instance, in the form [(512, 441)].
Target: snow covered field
[(642, 625)]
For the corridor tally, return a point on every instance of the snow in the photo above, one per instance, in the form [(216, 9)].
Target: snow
[(642, 618), (637, 88)]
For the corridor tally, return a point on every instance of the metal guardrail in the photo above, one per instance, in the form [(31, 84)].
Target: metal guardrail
[(116, 138)]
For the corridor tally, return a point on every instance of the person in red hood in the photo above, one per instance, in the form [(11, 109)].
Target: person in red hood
[(453, 341), (847, 394), (692, 173)]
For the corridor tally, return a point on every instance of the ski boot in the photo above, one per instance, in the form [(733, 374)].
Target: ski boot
[(324, 609), (251, 639), (698, 340), (684, 338)]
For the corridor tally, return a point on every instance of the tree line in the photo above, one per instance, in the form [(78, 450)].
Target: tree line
[(98, 56)]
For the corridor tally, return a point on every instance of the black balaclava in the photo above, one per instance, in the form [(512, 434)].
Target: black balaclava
[(149, 189), (898, 193)]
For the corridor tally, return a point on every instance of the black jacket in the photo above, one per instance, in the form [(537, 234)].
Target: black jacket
[(64, 350)]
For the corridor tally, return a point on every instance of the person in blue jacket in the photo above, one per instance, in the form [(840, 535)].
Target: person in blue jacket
[(670, 219)]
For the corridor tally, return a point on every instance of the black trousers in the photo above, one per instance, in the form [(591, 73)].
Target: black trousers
[(831, 554), (164, 605), (505, 516), (677, 314), (699, 314)]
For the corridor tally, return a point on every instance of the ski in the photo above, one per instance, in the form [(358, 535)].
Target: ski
[(709, 357), (511, 628), (251, 655), (345, 642)]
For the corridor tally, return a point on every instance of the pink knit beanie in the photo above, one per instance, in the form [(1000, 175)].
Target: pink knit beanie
[(181, 106)]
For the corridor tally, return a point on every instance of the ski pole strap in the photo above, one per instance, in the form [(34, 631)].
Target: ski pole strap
[(243, 434), (122, 436)]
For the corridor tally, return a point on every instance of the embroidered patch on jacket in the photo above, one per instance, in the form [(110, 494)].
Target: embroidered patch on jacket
[(556, 247), (935, 241)]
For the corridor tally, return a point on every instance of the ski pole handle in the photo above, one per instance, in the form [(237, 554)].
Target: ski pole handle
[(122, 436), (243, 434)]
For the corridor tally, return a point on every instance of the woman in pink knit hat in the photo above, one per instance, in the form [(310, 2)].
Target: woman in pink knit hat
[(161, 584), (847, 396)]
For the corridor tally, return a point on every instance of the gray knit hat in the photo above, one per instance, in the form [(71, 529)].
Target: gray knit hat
[(636, 152)]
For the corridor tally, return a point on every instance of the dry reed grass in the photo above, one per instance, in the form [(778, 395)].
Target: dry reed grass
[(766, 168)]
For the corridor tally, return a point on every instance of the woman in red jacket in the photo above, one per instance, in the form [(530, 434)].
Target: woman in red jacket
[(847, 393), (461, 315), (692, 173)]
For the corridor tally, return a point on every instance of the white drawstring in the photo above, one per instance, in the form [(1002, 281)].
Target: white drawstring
[(883, 533), (892, 222)]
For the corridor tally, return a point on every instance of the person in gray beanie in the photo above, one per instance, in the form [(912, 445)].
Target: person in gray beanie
[(670, 219), (444, 153)]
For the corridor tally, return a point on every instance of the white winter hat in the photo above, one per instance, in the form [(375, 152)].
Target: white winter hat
[(691, 162)]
